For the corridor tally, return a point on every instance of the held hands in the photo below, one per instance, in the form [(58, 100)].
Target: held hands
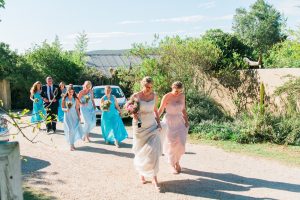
[(159, 127), (46, 100), (186, 124)]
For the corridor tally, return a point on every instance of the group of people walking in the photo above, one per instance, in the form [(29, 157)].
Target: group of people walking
[(152, 137)]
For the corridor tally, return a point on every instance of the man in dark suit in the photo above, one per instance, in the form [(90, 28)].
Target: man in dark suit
[(51, 95)]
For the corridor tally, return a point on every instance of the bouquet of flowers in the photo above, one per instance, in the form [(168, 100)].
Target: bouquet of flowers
[(132, 107), (86, 98), (69, 104), (105, 105), (36, 100)]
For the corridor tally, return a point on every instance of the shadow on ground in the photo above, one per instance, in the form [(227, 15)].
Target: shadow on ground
[(105, 151), (220, 186), (30, 164)]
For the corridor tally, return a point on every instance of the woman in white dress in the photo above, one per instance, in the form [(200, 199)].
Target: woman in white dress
[(146, 135), (177, 124)]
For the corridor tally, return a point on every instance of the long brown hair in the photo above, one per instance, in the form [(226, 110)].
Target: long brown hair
[(70, 87), (34, 88)]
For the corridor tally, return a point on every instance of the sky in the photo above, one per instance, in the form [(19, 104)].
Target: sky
[(117, 24)]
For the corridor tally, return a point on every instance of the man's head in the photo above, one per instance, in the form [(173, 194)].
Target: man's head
[(49, 80)]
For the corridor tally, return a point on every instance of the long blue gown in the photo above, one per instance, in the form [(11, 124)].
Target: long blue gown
[(38, 111), (72, 126), (60, 113), (112, 126), (88, 114)]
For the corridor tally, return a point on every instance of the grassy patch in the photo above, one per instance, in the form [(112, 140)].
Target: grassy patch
[(286, 154), (33, 194)]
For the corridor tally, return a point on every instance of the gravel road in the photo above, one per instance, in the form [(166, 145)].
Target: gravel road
[(99, 171)]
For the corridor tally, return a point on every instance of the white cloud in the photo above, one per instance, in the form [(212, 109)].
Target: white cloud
[(131, 22), (185, 19), (207, 5)]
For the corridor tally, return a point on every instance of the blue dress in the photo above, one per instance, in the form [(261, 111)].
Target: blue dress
[(38, 111), (60, 113), (72, 127), (112, 126), (88, 114)]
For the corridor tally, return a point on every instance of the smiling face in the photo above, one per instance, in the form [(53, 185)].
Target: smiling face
[(71, 92), (39, 86), (62, 86), (49, 81)]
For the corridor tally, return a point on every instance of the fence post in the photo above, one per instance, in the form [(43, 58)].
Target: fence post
[(10, 171)]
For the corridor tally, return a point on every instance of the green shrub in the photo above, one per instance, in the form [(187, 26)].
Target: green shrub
[(202, 108), (213, 130)]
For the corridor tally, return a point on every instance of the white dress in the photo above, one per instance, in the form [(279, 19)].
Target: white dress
[(146, 141)]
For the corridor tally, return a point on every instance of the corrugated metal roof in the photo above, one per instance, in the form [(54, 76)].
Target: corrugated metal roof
[(104, 60)]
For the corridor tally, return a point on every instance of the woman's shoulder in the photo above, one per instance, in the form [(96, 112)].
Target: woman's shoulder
[(136, 95)]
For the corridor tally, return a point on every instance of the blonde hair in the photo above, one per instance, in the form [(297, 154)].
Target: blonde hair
[(107, 87), (62, 83), (146, 80), (88, 84), (177, 84), (34, 87)]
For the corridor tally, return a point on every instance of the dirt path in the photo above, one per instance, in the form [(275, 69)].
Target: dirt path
[(99, 171)]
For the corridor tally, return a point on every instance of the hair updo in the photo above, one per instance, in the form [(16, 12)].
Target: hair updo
[(146, 80), (177, 85)]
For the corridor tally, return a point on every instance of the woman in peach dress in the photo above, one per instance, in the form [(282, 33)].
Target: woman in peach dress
[(176, 122)]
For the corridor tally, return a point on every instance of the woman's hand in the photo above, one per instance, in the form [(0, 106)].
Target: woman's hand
[(135, 116), (159, 126), (186, 124), (120, 112)]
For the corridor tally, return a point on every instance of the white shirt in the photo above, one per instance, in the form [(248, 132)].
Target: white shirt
[(49, 91)]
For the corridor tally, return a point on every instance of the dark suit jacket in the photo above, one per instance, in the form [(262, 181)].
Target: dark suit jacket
[(56, 93)]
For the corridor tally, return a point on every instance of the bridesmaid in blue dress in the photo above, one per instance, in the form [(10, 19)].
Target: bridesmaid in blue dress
[(72, 127), (63, 90), (112, 127), (38, 111), (87, 109)]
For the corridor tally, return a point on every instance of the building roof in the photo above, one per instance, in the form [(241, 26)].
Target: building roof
[(104, 60)]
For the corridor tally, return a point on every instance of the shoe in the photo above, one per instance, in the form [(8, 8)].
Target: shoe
[(117, 144)]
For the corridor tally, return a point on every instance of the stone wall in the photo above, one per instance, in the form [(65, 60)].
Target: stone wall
[(5, 94), (247, 93)]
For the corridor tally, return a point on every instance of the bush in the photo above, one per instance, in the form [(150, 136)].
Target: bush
[(202, 108), (285, 54), (213, 130)]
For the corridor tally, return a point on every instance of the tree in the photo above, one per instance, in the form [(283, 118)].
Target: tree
[(261, 27), (80, 48), (56, 43), (51, 61), (2, 3), (8, 60), (233, 49)]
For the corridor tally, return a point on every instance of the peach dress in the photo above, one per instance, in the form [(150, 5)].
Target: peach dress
[(175, 132)]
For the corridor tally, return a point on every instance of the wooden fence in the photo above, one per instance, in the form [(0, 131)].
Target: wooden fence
[(10, 171)]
